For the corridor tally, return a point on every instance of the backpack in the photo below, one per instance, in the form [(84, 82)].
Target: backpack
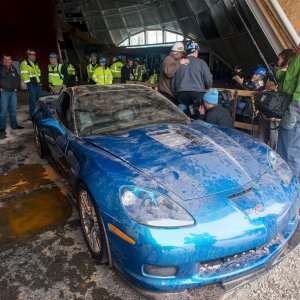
[(226, 100), (272, 104)]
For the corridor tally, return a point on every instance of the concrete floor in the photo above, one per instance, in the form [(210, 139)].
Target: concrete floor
[(43, 254)]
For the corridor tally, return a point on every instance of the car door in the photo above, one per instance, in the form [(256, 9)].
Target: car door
[(58, 137)]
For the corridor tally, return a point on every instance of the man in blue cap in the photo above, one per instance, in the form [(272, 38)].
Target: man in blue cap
[(57, 75), (91, 67), (103, 75), (212, 112), (257, 80)]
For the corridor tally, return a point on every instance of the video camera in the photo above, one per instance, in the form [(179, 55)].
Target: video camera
[(237, 71)]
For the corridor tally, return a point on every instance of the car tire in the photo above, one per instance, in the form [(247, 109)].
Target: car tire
[(39, 142), (92, 226)]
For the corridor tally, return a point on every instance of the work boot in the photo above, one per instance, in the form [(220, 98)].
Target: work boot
[(2, 133)]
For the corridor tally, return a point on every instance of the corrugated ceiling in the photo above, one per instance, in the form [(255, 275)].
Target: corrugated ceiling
[(212, 22)]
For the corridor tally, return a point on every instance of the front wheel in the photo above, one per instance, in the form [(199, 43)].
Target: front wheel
[(40, 146), (92, 226)]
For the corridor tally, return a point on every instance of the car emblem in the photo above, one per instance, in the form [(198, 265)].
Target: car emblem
[(256, 209)]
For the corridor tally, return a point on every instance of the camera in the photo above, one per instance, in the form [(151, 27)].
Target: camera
[(237, 71)]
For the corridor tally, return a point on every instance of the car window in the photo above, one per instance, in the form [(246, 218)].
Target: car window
[(63, 109), (111, 112)]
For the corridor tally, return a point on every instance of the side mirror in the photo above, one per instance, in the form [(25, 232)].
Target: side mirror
[(53, 124)]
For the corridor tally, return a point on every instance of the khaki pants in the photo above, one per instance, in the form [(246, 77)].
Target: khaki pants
[(56, 89)]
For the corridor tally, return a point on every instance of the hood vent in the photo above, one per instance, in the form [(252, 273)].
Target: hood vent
[(233, 196), (175, 138)]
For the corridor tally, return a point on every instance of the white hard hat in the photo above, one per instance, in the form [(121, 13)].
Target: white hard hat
[(178, 47)]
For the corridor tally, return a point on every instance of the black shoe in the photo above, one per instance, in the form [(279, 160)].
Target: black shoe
[(2, 133), (19, 127)]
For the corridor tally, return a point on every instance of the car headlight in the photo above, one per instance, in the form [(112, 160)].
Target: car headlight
[(280, 167), (153, 209)]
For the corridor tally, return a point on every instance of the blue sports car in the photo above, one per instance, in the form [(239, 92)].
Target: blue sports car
[(171, 203)]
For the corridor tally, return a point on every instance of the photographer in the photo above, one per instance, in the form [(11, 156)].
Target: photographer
[(246, 112), (268, 132), (289, 129), (257, 81)]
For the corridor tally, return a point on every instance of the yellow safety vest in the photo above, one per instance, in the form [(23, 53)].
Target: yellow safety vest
[(139, 71), (116, 69), (29, 70), (102, 76), (71, 70), (153, 78), (90, 70), (54, 75)]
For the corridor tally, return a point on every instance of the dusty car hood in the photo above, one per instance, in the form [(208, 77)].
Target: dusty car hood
[(190, 161)]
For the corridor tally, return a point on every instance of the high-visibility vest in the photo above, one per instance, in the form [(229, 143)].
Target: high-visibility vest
[(90, 69), (54, 75), (116, 69), (29, 70), (139, 71), (102, 76), (71, 70), (153, 77)]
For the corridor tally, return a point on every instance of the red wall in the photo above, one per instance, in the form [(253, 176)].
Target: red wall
[(29, 24)]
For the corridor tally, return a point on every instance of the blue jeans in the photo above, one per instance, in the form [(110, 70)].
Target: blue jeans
[(35, 92), (8, 102), (289, 147)]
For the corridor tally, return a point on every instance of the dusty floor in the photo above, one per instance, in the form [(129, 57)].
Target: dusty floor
[(43, 254)]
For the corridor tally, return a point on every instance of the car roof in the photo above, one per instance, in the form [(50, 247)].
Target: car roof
[(88, 89)]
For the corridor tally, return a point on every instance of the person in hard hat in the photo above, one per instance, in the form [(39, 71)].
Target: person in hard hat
[(139, 70), (127, 71), (212, 112), (102, 75), (191, 80), (168, 69), (92, 66), (246, 111), (31, 75), (116, 69), (57, 75), (257, 80), (72, 74)]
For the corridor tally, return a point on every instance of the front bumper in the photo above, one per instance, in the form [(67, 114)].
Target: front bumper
[(221, 287)]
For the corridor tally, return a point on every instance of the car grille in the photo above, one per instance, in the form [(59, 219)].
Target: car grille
[(240, 260)]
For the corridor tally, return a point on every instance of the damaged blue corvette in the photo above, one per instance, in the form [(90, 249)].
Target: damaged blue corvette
[(172, 204)]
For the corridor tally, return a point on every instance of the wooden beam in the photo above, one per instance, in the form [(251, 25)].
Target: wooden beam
[(247, 126), (276, 24), (78, 33)]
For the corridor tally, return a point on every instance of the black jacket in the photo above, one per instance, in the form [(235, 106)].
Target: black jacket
[(125, 74), (9, 78), (218, 115)]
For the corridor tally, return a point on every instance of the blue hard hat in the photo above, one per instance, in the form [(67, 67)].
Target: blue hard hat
[(102, 59), (53, 55), (261, 71), (192, 46), (93, 54)]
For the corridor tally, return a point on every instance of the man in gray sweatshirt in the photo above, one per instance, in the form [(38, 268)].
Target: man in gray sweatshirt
[(191, 80)]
